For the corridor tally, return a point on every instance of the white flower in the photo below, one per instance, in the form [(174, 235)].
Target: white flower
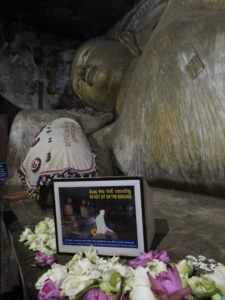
[(92, 254), (46, 250), (30, 239), (77, 257), (111, 281), (124, 271), (43, 239), (202, 286), (41, 227), (82, 273), (83, 266), (105, 265), (68, 287), (50, 222), (45, 227), (112, 273), (128, 284), (57, 273), (142, 287), (185, 267), (128, 274), (157, 267), (36, 244), (25, 234), (51, 226), (72, 284), (51, 243), (218, 276), (39, 245)]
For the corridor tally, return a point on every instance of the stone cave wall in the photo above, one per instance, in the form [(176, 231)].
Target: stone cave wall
[(38, 40)]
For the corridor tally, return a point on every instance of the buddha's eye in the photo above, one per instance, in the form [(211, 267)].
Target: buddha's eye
[(86, 54)]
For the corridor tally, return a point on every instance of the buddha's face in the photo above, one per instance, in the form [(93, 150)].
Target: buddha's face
[(97, 71)]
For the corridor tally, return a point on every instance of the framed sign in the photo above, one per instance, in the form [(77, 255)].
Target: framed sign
[(104, 212)]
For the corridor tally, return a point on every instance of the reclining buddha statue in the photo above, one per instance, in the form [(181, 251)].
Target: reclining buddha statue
[(167, 89)]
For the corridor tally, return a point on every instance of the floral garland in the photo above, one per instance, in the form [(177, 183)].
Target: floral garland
[(150, 276)]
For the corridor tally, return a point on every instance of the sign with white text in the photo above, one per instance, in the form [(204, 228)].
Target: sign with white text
[(104, 212)]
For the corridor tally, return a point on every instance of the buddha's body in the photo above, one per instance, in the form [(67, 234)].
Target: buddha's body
[(171, 101), (172, 104)]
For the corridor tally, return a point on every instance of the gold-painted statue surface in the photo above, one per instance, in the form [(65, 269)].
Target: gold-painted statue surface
[(98, 69), (168, 93)]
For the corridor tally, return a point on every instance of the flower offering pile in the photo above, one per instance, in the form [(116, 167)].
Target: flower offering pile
[(150, 276), (42, 241)]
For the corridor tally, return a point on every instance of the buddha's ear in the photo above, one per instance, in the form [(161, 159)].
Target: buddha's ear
[(128, 40)]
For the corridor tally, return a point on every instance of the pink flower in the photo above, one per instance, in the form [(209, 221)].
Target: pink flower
[(144, 258), (169, 286), (44, 259), (50, 291), (97, 294)]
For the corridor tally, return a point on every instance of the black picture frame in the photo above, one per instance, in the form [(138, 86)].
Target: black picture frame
[(106, 212)]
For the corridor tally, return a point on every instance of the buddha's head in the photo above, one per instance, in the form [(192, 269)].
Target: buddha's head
[(97, 72)]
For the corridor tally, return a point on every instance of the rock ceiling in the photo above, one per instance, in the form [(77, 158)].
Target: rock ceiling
[(80, 19)]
